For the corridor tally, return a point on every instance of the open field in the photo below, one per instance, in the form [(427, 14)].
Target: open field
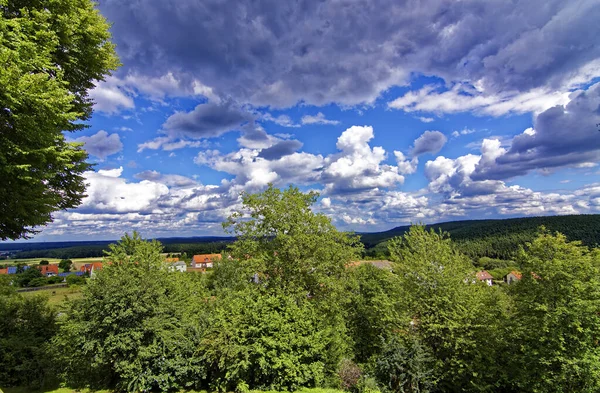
[(56, 295), (34, 261)]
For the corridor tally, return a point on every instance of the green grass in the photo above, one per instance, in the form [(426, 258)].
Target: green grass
[(56, 295)]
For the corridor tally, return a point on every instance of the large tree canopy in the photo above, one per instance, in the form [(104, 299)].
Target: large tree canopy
[(51, 53)]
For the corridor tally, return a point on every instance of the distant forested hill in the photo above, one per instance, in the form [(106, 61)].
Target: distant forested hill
[(497, 238), (65, 250), (476, 238)]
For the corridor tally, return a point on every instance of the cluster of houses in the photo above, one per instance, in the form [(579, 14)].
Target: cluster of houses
[(486, 277), (199, 263), (46, 270), (202, 262)]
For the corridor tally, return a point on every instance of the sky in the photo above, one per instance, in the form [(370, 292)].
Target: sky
[(396, 112)]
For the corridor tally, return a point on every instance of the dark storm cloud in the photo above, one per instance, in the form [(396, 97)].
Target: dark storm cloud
[(281, 149), (281, 52), (101, 144), (429, 142), (206, 121), (564, 136)]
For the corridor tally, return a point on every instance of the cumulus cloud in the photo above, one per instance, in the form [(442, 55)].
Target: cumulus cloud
[(108, 192), (110, 98), (429, 142), (562, 136), (355, 168), (101, 144), (319, 118), (358, 166)]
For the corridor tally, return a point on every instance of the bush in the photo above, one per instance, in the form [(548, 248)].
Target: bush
[(44, 262), (492, 263), (27, 325), (349, 374), (38, 282), (75, 280), (405, 365), (54, 280)]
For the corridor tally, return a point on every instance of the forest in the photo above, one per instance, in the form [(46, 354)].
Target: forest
[(288, 309), (498, 239)]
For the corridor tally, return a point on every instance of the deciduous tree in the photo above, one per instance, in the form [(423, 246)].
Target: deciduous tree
[(51, 53)]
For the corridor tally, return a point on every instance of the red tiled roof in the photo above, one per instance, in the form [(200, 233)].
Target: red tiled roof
[(483, 275), (516, 274), (45, 269), (4, 271), (171, 260), (206, 258), (88, 267)]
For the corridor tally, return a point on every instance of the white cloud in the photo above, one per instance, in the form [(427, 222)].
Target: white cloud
[(426, 119), (281, 120), (319, 118), (358, 166), (405, 166), (462, 97), (110, 98), (464, 131)]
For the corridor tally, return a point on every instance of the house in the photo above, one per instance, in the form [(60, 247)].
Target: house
[(513, 276), (485, 277), (204, 261), (178, 266), (91, 268), (48, 270), (172, 260)]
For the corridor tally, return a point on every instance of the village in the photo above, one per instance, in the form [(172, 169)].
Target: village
[(200, 263)]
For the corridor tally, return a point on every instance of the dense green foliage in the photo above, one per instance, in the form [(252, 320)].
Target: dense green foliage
[(51, 53), (26, 327), (290, 310)]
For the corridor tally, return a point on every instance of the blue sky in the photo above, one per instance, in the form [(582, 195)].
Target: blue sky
[(396, 112)]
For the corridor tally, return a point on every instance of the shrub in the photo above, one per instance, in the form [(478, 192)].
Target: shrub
[(405, 365), (75, 280), (38, 282), (349, 374)]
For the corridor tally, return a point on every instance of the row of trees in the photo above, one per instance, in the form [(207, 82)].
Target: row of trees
[(287, 312)]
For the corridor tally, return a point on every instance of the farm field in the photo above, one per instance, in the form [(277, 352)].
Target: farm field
[(56, 295), (34, 261)]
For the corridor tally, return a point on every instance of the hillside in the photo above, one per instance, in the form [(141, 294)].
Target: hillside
[(498, 238)]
